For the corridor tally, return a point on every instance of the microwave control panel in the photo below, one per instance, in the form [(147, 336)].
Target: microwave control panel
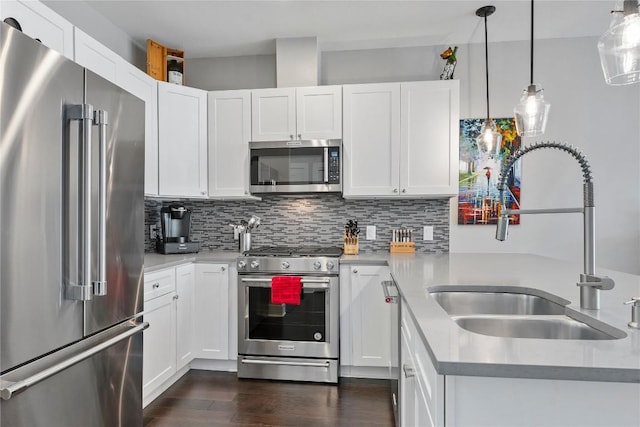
[(334, 165)]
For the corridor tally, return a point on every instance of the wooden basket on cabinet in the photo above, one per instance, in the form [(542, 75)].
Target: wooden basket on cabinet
[(350, 245)]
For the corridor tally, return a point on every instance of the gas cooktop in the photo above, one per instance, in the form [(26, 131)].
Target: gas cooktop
[(295, 251)]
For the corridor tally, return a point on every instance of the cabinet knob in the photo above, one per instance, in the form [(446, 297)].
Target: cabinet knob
[(355, 270), (176, 297), (395, 190), (291, 137), (223, 269), (246, 193), (404, 190), (408, 371), (155, 285), (299, 136)]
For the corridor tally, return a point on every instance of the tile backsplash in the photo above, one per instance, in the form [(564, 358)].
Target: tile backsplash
[(309, 220)]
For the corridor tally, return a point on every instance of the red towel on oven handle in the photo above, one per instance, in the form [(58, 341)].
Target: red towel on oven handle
[(286, 290)]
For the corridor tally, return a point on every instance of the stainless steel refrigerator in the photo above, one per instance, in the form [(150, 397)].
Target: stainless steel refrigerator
[(71, 242)]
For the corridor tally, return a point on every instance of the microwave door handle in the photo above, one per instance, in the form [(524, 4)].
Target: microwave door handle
[(326, 165)]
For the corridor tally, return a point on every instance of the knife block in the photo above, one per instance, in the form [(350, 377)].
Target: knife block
[(350, 245)]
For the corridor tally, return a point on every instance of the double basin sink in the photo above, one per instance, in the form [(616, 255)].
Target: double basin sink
[(513, 312)]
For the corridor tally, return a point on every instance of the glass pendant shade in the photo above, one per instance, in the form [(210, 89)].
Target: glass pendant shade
[(489, 139), (531, 113), (619, 49)]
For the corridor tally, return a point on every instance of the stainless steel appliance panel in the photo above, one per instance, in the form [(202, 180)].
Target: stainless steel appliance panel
[(103, 390), (299, 369), (124, 219), (36, 84), (276, 346)]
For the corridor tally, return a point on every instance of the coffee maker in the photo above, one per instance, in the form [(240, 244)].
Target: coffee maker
[(176, 226)]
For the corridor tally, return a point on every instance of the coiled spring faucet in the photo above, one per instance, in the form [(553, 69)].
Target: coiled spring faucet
[(590, 284)]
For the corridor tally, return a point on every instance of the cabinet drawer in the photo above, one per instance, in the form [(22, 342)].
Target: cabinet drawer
[(159, 283)]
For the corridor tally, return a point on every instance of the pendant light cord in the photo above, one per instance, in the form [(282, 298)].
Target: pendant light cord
[(531, 42), (486, 62)]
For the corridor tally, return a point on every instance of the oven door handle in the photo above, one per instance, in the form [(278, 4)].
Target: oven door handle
[(287, 363), (266, 283)]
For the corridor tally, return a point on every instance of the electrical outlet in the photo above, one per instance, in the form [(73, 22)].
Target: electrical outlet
[(371, 232), (153, 232), (427, 232)]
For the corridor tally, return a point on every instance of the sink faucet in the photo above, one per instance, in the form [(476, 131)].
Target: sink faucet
[(590, 284)]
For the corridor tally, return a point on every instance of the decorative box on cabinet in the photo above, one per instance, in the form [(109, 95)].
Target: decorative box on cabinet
[(296, 113), (158, 57), (41, 23)]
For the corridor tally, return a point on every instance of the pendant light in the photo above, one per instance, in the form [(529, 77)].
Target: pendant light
[(532, 111), (489, 139), (619, 46)]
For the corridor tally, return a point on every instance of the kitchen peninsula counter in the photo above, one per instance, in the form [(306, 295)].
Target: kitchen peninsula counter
[(456, 351)]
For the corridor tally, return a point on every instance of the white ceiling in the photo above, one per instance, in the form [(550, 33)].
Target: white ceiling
[(238, 27)]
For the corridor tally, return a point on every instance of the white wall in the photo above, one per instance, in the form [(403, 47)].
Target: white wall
[(237, 72)]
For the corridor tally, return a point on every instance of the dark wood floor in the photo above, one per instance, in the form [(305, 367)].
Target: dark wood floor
[(204, 398)]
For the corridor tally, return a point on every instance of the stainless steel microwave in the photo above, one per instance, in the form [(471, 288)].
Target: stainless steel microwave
[(311, 166)]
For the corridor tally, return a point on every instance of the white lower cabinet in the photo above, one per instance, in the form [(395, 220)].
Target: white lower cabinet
[(212, 312), (185, 319), (159, 348), (365, 333), (168, 342)]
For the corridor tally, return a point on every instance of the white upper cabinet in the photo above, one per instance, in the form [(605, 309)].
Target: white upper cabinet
[(95, 56), (401, 139), (371, 141), (296, 113), (229, 128), (144, 87), (319, 112), (182, 141), (429, 134), (41, 23)]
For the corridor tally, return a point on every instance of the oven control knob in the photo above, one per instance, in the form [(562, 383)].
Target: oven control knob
[(329, 265), (255, 264), (317, 265), (285, 265), (242, 264)]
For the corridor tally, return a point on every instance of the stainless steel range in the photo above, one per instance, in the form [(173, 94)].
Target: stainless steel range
[(289, 341)]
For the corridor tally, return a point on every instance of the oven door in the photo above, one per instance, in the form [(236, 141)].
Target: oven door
[(295, 166), (285, 330)]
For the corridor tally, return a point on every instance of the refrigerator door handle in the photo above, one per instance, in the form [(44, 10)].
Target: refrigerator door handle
[(83, 291), (100, 119), (10, 388)]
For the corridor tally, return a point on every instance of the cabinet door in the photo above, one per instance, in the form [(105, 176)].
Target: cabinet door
[(95, 56), (40, 22), (182, 141), (185, 317), (371, 140), (233, 312), (319, 112), (273, 114), (429, 138), (212, 311), (370, 317), (159, 349), (408, 385), (144, 87), (229, 134)]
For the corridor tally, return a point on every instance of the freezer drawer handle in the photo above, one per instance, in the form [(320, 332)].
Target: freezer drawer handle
[(276, 362), (11, 388)]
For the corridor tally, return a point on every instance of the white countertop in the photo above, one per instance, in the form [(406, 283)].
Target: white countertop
[(456, 351)]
